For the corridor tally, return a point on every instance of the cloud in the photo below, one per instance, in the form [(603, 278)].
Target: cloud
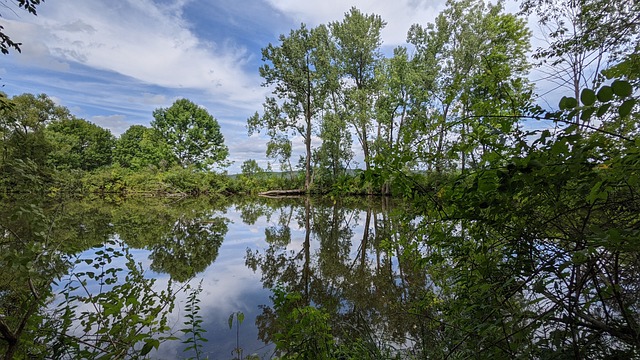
[(151, 99), (151, 43), (118, 124), (34, 53), (399, 15)]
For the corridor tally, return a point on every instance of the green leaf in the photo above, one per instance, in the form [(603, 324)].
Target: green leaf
[(146, 348), (603, 110), (586, 114), (588, 97), (605, 94), (622, 88), (567, 103), (231, 320), (626, 107), (240, 317)]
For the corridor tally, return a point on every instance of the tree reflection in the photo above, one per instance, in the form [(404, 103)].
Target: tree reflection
[(43, 280), (183, 237), (347, 267), (189, 248), (392, 281)]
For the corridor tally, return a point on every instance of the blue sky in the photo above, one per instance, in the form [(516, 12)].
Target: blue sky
[(114, 62)]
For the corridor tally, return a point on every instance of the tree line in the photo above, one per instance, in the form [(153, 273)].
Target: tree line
[(44, 142), (432, 108)]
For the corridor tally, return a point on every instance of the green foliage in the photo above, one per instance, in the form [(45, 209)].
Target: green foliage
[(79, 144), (298, 69), (189, 247), (25, 147), (123, 317), (193, 135), (150, 180), (193, 323), (141, 147), (250, 167), (470, 85), (304, 330), (358, 40)]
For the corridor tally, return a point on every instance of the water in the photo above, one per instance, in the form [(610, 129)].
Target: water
[(235, 250), (352, 278)]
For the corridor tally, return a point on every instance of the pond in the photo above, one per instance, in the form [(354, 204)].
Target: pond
[(203, 263), (258, 278)]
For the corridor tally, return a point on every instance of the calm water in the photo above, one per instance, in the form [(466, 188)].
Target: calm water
[(337, 254), (99, 274)]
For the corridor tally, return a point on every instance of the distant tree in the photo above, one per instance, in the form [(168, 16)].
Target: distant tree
[(193, 135), (79, 144), (140, 146), (250, 168)]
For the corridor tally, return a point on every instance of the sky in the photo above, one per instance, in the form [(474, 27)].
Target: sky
[(114, 62)]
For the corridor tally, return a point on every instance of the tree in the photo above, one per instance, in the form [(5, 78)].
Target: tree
[(79, 144), (193, 135), (23, 121), (25, 149), (472, 82), (140, 147), (251, 168), (298, 71), (392, 114), (358, 40)]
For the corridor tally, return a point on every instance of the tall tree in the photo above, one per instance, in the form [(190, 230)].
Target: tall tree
[(358, 40), (22, 123), (396, 76), (297, 71), (192, 133), (472, 84)]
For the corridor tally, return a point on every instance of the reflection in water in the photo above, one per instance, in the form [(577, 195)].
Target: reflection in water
[(346, 263), (71, 286), (351, 278)]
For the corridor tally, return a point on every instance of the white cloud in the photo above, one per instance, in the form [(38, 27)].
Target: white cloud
[(34, 53), (151, 99), (116, 123), (399, 15), (141, 40)]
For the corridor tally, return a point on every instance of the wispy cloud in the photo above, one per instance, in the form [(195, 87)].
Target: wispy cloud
[(139, 39), (399, 15)]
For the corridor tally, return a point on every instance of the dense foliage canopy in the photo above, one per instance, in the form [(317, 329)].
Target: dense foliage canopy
[(193, 135)]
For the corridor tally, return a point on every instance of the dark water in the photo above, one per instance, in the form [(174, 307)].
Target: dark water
[(335, 253)]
